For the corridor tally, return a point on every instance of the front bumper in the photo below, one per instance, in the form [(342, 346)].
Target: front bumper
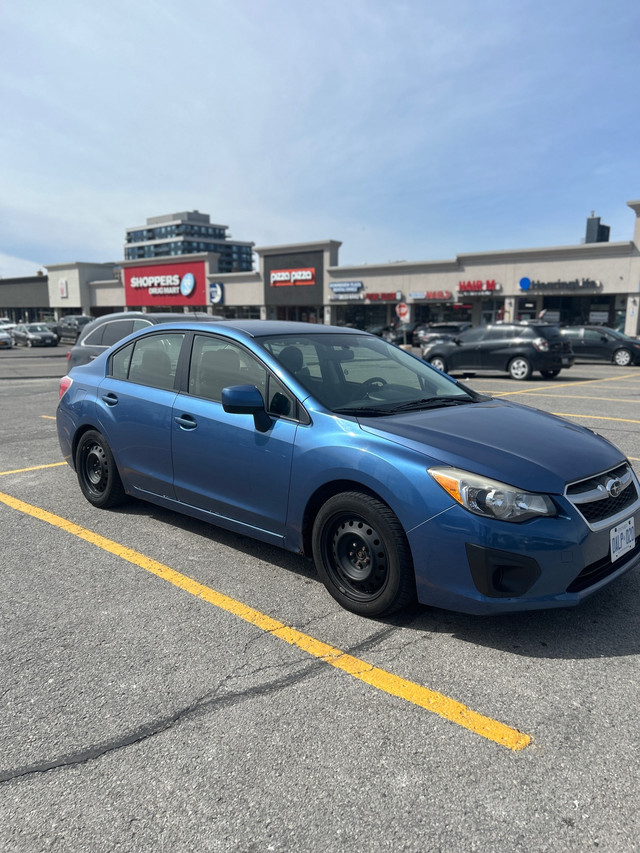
[(474, 565)]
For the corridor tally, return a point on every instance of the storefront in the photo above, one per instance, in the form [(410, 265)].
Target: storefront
[(589, 282)]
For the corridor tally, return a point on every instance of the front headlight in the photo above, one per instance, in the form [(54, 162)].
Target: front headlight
[(490, 498)]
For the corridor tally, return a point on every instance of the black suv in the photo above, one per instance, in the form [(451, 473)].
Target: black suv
[(517, 348), (98, 335)]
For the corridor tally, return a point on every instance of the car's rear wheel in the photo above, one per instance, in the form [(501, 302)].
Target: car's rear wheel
[(520, 368), (97, 472), (439, 363), (622, 357), (549, 374), (362, 555)]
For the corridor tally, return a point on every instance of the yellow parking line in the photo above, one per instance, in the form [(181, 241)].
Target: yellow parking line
[(595, 417), (557, 385), (33, 468), (411, 692), (49, 417), (584, 397)]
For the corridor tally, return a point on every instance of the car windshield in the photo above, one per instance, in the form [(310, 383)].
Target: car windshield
[(362, 374), (37, 327)]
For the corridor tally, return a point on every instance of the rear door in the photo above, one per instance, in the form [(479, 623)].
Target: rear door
[(135, 405), (496, 348)]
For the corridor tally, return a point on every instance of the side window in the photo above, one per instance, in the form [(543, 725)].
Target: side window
[(473, 335), (94, 338), (572, 334), (116, 331), (155, 359), (218, 363), (498, 333), (525, 333), (120, 362), (592, 336)]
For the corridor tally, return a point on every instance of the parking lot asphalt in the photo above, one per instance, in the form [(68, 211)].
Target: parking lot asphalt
[(168, 685)]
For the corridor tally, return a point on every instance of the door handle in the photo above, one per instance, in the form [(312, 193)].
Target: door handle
[(186, 422), (110, 399)]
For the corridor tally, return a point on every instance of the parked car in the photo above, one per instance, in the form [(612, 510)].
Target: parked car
[(70, 326), (397, 479), (516, 348), (431, 332), (6, 341), (100, 334), (598, 343), (400, 334), (34, 335)]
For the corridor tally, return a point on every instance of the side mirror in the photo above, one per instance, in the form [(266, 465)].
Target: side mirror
[(246, 400)]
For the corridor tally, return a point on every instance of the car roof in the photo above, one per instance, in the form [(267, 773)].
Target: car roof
[(260, 328)]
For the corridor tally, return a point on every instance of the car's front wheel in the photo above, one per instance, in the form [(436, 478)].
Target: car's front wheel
[(622, 357), (97, 472), (520, 368), (362, 555), (439, 363)]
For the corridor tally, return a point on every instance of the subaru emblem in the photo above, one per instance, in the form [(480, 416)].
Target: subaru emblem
[(614, 487)]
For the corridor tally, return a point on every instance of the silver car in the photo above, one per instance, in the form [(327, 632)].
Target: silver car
[(34, 335)]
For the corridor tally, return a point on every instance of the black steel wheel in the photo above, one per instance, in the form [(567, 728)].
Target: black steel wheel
[(362, 555), (97, 472)]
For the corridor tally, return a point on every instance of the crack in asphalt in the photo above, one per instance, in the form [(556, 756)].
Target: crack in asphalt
[(200, 706)]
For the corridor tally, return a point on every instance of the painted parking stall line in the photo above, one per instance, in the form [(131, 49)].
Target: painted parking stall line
[(416, 694)]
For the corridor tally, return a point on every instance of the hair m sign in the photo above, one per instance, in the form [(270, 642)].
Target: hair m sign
[(183, 283)]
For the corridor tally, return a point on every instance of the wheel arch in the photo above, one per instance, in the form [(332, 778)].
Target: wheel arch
[(322, 495)]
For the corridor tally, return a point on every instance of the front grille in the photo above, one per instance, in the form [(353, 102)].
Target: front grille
[(599, 570), (601, 498)]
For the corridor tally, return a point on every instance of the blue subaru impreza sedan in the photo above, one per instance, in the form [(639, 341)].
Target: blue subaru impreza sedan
[(399, 481)]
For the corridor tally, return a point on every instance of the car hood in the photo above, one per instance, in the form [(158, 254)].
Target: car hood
[(506, 441)]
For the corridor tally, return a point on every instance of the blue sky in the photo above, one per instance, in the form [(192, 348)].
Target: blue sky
[(407, 130)]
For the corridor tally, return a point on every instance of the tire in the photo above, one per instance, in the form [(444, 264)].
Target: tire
[(439, 363), (362, 555), (622, 357), (549, 374), (28, 343), (97, 473), (520, 368)]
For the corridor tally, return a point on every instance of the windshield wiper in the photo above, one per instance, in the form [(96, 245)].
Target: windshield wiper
[(361, 410), (433, 403)]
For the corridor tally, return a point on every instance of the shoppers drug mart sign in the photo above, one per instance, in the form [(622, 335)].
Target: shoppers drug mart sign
[(166, 285)]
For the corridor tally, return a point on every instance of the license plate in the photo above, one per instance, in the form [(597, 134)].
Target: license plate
[(622, 538), (565, 361)]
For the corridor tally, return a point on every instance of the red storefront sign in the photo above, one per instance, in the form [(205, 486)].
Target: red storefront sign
[(163, 284), (477, 286), (392, 296), (291, 278)]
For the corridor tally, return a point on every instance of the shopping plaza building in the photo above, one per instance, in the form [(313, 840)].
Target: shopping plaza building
[(596, 281)]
